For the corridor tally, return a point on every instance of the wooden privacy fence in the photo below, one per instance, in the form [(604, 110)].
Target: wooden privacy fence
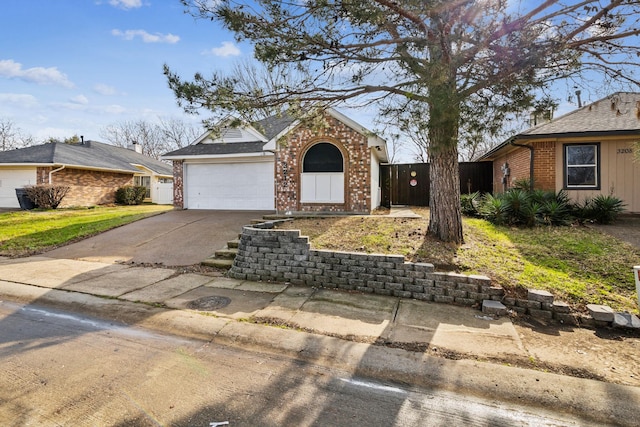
[(408, 184)]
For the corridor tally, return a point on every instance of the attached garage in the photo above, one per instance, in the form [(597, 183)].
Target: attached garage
[(281, 164), (229, 186), (12, 178)]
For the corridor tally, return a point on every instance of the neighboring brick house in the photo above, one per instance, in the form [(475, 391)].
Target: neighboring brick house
[(282, 164), (586, 152), (92, 170)]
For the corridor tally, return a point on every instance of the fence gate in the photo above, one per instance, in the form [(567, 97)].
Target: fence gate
[(408, 184)]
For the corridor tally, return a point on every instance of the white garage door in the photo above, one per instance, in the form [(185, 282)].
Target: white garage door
[(229, 186), (13, 178)]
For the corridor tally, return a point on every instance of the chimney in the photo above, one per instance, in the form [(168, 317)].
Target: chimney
[(135, 147)]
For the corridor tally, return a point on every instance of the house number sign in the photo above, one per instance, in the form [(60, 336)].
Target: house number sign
[(625, 151)]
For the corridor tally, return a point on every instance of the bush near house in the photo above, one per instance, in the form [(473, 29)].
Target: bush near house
[(130, 195), (522, 207), (46, 196)]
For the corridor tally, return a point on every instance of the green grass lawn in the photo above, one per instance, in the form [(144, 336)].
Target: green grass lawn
[(29, 232), (579, 265)]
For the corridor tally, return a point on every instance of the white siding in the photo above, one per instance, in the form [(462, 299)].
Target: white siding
[(376, 192)]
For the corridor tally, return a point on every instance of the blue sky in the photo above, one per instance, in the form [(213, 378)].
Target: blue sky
[(74, 66)]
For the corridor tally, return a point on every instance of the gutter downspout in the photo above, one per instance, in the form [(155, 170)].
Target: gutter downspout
[(55, 170), (530, 147)]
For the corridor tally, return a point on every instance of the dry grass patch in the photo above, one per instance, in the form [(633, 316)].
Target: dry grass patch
[(579, 265)]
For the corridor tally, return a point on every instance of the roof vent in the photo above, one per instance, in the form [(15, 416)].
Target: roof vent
[(231, 133)]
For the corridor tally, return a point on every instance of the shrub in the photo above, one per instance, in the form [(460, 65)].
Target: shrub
[(518, 202), (523, 184), (495, 209), (602, 209), (527, 208), (556, 212), (130, 195), (46, 196), (470, 203)]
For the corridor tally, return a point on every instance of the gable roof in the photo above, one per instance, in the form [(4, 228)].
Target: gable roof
[(87, 155), (271, 128), (616, 114), (244, 140)]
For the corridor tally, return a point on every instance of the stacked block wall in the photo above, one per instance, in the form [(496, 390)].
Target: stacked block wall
[(268, 254)]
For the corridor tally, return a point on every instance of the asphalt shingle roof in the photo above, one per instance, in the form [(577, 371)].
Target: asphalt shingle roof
[(615, 114), (272, 126), (618, 112), (90, 154), (219, 148)]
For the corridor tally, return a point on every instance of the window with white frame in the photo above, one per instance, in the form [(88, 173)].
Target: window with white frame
[(143, 181), (582, 166), (322, 178)]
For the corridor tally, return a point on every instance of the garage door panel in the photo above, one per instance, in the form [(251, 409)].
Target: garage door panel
[(235, 186), (10, 179)]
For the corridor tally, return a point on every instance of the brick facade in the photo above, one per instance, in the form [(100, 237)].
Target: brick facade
[(357, 168), (518, 161), (544, 166), (178, 182), (87, 188)]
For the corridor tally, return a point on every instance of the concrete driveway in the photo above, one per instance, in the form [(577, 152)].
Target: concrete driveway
[(175, 238)]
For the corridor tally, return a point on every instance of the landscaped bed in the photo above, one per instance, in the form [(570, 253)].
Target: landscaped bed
[(578, 264)]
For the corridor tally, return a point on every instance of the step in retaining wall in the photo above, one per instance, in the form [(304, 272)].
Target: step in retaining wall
[(268, 254)]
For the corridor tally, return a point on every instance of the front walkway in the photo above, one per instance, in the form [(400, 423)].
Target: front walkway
[(402, 212)]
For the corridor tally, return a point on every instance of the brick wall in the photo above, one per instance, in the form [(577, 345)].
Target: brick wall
[(357, 170), (178, 182), (519, 161), (87, 188), (544, 165)]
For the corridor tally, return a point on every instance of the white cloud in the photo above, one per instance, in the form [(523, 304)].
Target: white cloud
[(126, 4), (104, 89), (40, 75), (146, 37), (76, 104), (227, 49), (113, 109), (18, 99), (80, 99)]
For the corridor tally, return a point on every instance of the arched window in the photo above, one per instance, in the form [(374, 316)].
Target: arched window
[(322, 178), (323, 157)]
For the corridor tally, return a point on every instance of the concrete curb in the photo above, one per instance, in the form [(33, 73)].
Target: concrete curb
[(592, 400)]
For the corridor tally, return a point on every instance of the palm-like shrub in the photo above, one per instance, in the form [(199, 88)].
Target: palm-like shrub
[(495, 209), (470, 203), (605, 209)]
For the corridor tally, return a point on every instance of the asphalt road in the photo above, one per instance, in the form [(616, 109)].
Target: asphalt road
[(60, 368)]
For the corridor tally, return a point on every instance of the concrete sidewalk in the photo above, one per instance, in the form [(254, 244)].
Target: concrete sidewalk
[(362, 318), (322, 326)]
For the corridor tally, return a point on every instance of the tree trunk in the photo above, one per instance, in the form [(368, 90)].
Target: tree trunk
[(445, 218)]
